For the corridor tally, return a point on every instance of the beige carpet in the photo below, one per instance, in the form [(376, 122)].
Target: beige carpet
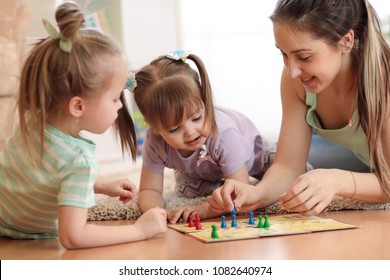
[(108, 208)]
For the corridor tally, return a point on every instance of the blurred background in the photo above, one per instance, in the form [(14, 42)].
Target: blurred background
[(233, 38)]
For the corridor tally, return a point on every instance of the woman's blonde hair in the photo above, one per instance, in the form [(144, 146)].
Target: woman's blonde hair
[(51, 76), (330, 20)]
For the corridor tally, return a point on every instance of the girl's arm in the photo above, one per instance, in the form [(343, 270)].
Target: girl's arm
[(75, 233), (241, 175), (151, 189)]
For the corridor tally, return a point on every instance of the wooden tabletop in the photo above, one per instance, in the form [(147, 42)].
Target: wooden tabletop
[(367, 242)]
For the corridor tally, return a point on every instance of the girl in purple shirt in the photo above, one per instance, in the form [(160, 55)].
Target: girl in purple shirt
[(203, 144)]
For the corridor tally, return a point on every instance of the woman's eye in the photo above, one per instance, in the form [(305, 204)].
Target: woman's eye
[(305, 58)]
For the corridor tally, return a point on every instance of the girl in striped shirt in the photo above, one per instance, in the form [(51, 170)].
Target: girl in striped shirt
[(72, 80)]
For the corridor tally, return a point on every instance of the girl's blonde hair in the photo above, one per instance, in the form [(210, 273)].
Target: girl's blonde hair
[(167, 88), (51, 76), (331, 20)]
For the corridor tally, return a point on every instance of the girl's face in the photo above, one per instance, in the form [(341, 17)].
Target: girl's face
[(314, 62), (190, 134), (101, 112)]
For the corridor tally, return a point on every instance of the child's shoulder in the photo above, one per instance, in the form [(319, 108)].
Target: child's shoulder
[(228, 117)]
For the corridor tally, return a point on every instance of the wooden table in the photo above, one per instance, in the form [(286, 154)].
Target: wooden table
[(368, 242)]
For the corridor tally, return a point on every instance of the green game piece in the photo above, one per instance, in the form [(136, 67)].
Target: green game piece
[(266, 222), (214, 233), (260, 223)]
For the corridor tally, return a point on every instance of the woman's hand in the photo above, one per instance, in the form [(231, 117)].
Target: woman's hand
[(312, 192), (246, 197)]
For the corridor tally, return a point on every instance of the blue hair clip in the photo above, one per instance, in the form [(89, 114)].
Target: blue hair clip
[(179, 54), (131, 82)]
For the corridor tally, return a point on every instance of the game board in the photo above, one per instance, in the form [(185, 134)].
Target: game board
[(279, 225)]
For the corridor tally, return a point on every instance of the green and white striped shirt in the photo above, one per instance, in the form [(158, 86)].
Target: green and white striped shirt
[(32, 190)]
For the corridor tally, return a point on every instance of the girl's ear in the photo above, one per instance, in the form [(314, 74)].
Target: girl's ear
[(347, 41), (76, 106)]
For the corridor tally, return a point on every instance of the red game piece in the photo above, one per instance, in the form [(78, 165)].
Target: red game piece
[(190, 221), (198, 226)]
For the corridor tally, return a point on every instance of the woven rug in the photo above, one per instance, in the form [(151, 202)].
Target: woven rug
[(108, 208)]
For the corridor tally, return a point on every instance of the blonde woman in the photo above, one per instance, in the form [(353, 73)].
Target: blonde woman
[(335, 81)]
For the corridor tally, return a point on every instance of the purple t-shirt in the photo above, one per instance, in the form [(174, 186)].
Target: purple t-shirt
[(236, 143)]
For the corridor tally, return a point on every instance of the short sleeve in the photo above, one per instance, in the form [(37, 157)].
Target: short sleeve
[(77, 183), (154, 153)]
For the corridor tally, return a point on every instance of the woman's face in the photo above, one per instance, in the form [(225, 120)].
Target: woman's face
[(314, 62)]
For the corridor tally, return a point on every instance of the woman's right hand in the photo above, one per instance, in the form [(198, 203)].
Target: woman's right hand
[(246, 197)]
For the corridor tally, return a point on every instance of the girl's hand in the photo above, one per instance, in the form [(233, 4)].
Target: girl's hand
[(184, 213), (123, 188), (204, 210), (311, 192), (151, 223), (246, 197)]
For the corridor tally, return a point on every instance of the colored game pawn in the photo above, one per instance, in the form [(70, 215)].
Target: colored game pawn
[(234, 221), (198, 226), (214, 233), (190, 221), (234, 211), (251, 220), (266, 222), (223, 222), (260, 223)]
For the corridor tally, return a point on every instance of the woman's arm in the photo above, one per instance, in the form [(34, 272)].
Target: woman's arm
[(290, 160), (313, 191), (293, 143), (241, 175)]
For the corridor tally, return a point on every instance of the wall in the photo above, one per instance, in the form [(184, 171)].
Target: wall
[(235, 40), (233, 37)]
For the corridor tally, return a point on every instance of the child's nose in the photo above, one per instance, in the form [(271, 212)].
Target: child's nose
[(189, 130), (120, 105)]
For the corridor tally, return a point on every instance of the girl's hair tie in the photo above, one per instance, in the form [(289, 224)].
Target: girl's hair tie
[(179, 54), (65, 46), (131, 82)]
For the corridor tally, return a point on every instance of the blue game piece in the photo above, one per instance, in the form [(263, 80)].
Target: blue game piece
[(234, 211), (251, 220), (223, 223), (234, 221)]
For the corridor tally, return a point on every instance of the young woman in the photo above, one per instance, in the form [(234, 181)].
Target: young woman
[(336, 81)]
